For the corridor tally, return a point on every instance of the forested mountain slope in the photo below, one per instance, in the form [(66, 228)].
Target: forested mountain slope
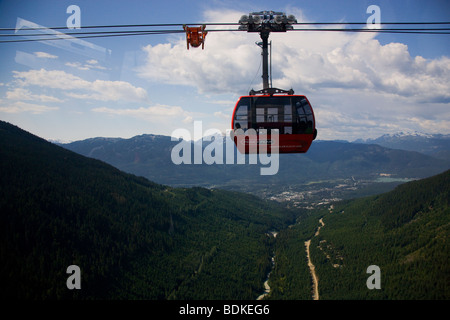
[(404, 232), (131, 238)]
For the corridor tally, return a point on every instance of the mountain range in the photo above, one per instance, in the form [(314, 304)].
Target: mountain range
[(436, 145), (332, 161)]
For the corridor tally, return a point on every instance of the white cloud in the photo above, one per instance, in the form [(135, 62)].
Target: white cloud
[(431, 126), (188, 119), (222, 115), (97, 90), (77, 65), (227, 64), (20, 106), (152, 111), (357, 62), (155, 113), (306, 61), (55, 79), (45, 55), (359, 85), (89, 65), (24, 94), (223, 102), (368, 114)]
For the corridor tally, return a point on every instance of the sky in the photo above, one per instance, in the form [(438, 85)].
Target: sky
[(360, 85)]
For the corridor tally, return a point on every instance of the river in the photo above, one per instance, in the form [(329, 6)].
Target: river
[(266, 283)]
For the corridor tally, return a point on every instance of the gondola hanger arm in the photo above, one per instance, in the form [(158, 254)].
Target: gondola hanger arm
[(195, 36)]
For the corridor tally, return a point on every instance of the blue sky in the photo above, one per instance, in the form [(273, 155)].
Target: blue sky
[(360, 85)]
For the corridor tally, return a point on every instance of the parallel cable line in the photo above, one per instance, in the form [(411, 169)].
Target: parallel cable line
[(76, 34)]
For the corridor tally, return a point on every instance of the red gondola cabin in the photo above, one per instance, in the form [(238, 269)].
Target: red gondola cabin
[(291, 114)]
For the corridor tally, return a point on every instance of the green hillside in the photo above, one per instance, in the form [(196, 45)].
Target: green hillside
[(404, 232), (131, 238)]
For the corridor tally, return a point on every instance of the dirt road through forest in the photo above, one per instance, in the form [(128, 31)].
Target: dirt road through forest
[(311, 266)]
